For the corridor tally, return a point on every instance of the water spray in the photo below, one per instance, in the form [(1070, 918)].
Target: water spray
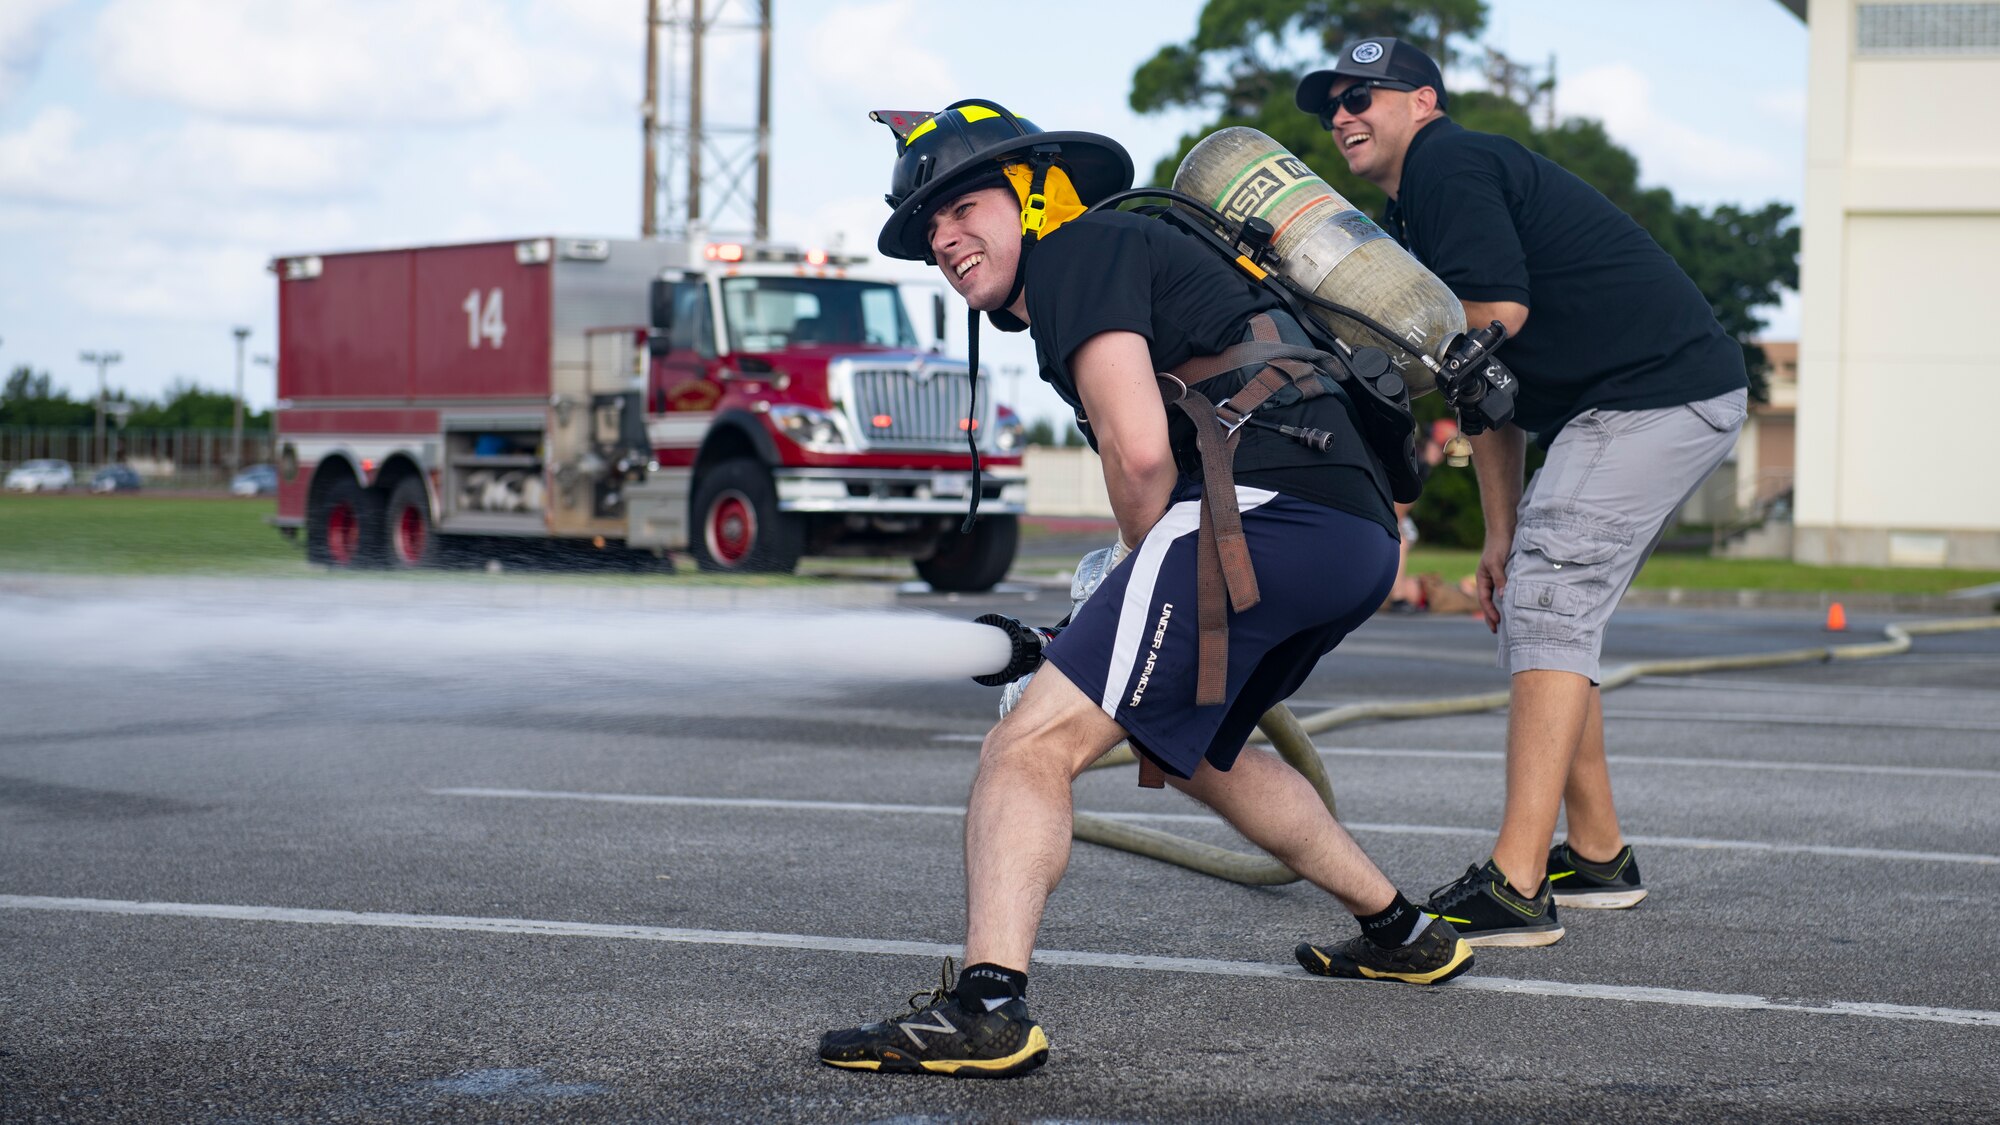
[(1026, 643)]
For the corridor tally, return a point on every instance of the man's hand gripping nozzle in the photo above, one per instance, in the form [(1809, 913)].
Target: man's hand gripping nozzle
[(1090, 573)]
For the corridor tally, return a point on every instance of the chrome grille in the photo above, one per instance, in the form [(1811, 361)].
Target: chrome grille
[(922, 400)]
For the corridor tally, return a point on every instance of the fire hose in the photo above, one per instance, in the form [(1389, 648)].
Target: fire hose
[(1291, 737)]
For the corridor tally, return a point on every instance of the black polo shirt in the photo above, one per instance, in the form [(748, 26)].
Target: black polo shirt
[(1613, 321), (1113, 271)]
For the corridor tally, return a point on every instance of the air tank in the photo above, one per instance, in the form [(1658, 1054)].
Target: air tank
[(1326, 246)]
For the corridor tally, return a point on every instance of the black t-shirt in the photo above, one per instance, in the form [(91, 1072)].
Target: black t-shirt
[(1111, 271), (1613, 321)]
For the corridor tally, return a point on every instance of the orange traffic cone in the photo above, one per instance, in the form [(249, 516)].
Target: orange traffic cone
[(1836, 619)]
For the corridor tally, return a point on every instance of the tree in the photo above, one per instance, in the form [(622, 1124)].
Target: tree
[(30, 400), (1243, 65), (189, 407)]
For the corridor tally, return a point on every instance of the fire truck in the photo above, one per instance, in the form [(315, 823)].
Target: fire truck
[(747, 404)]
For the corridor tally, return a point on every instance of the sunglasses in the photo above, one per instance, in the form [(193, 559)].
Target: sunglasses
[(1356, 99)]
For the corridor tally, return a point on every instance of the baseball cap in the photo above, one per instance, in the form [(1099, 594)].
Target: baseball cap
[(1381, 57)]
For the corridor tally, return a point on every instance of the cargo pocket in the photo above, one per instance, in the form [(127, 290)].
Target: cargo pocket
[(1570, 552), (1546, 597), (1723, 413)]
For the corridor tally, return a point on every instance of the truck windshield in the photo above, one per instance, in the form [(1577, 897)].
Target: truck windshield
[(768, 314)]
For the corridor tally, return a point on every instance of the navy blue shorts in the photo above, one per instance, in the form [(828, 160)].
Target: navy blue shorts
[(1133, 646)]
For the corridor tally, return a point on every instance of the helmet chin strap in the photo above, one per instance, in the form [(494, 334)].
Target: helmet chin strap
[(1033, 215), (972, 406)]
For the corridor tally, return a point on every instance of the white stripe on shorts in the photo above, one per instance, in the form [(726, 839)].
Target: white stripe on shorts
[(1135, 615)]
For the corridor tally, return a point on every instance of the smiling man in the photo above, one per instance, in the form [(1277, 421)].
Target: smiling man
[(1629, 382), (1112, 299)]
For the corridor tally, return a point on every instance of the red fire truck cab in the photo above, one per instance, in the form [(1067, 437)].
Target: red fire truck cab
[(747, 404)]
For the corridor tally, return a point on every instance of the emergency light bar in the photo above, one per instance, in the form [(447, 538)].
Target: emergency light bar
[(739, 252)]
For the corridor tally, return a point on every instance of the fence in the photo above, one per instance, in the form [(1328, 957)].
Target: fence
[(194, 458)]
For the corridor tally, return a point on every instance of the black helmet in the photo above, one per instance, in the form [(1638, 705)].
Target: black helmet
[(941, 156)]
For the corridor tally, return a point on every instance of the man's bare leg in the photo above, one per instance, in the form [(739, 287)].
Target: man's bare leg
[(1593, 818), (1017, 822), (1545, 724), (1277, 809)]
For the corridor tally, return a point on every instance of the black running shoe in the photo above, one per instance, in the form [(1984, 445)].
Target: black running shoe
[(1437, 955), (1486, 911), (938, 1035), (1595, 886)]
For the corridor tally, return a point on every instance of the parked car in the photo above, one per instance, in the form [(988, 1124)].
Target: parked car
[(115, 478), (41, 475), (255, 480)]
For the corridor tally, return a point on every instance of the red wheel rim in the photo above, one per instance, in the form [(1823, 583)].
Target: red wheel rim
[(410, 532), (731, 533), (343, 533)]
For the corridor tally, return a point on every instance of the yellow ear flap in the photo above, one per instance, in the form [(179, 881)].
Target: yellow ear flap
[(1057, 203)]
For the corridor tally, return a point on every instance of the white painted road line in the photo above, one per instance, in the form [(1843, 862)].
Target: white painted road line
[(776, 803), (1954, 772), (1078, 958)]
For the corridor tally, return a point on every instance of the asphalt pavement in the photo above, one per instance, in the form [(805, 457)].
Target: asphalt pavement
[(484, 850)]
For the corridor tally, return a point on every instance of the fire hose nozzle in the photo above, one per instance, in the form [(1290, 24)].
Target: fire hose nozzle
[(1027, 641)]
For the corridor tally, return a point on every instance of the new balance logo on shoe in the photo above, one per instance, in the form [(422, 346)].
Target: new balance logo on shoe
[(942, 1026)]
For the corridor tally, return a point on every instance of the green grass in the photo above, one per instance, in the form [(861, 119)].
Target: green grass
[(222, 536), (143, 535), (1699, 572)]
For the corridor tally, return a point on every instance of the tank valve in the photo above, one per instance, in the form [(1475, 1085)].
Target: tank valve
[(1477, 385), (1027, 640)]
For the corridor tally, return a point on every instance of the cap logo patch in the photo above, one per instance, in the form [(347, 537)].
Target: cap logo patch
[(1366, 53)]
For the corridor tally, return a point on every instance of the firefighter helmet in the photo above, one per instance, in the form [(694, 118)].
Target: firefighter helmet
[(941, 156)]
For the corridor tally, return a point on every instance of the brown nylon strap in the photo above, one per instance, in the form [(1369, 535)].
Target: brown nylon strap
[(1224, 574), (1205, 367), (1151, 776), (1261, 386)]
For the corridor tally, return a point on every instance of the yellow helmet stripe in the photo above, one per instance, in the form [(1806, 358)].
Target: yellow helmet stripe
[(968, 114)]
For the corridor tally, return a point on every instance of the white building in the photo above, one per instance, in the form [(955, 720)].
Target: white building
[(1900, 271)]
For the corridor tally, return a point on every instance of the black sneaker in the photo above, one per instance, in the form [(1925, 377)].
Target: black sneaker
[(1595, 886), (1486, 911), (1437, 955), (940, 1036)]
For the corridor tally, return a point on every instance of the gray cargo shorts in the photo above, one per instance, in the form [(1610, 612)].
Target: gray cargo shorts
[(1591, 516)]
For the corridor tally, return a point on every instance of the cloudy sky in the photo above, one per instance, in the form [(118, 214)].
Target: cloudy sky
[(156, 154)]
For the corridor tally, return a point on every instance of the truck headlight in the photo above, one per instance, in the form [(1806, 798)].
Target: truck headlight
[(1009, 435), (817, 430)]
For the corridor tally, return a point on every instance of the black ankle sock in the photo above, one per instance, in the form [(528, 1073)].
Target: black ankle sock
[(987, 981), (1392, 926)]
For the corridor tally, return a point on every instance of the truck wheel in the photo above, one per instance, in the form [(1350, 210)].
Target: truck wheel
[(973, 563), (406, 528), (737, 524), (344, 529)]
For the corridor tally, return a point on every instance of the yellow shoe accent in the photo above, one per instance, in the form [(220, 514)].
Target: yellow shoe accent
[(1037, 1042), (857, 1064), (1460, 954)]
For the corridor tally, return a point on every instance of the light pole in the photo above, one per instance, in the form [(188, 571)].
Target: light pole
[(102, 360), (270, 434), (236, 414)]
